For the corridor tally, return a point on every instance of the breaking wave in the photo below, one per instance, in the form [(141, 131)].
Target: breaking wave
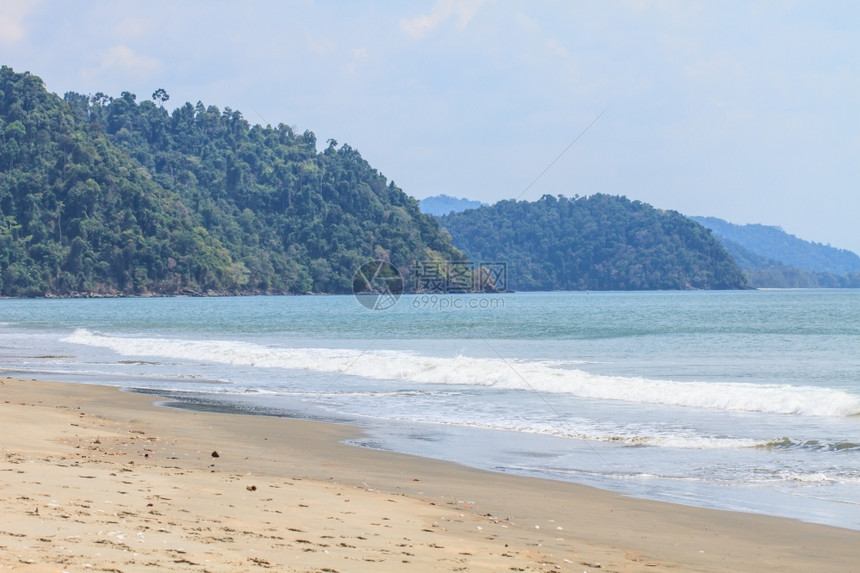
[(533, 375)]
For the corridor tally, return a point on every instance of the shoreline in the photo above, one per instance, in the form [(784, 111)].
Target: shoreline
[(213, 294), (102, 479), (380, 436)]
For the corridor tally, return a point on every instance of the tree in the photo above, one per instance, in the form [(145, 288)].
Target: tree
[(160, 96), (99, 98)]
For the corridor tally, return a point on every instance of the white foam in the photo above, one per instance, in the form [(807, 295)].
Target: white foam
[(682, 441), (819, 477), (540, 376)]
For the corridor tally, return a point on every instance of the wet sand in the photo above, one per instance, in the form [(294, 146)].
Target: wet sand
[(95, 479)]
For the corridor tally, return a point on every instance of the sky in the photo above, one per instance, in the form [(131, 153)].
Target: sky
[(748, 111)]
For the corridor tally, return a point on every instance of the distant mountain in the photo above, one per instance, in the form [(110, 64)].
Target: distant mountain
[(600, 242), (444, 204), (770, 257), (774, 243), (111, 196)]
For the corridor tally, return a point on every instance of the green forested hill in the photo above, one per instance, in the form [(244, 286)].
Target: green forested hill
[(598, 242), (115, 196)]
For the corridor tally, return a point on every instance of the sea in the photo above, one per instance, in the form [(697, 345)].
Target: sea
[(738, 400)]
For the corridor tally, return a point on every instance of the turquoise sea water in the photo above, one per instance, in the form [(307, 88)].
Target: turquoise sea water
[(744, 400)]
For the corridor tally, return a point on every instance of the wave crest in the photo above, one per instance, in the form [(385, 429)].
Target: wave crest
[(539, 376)]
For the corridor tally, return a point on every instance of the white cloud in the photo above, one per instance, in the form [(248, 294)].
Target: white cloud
[(358, 54), (14, 12), (554, 46), (320, 45), (134, 27), (462, 10), (122, 59), (717, 68)]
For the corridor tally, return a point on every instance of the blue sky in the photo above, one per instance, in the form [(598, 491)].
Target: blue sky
[(748, 111)]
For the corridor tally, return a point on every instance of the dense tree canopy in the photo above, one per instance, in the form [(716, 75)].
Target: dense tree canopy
[(111, 195), (600, 242)]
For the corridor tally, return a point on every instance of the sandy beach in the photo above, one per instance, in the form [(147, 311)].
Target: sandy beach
[(96, 479)]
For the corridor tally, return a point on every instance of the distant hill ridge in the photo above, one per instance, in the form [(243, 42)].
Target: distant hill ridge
[(444, 204), (775, 244)]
